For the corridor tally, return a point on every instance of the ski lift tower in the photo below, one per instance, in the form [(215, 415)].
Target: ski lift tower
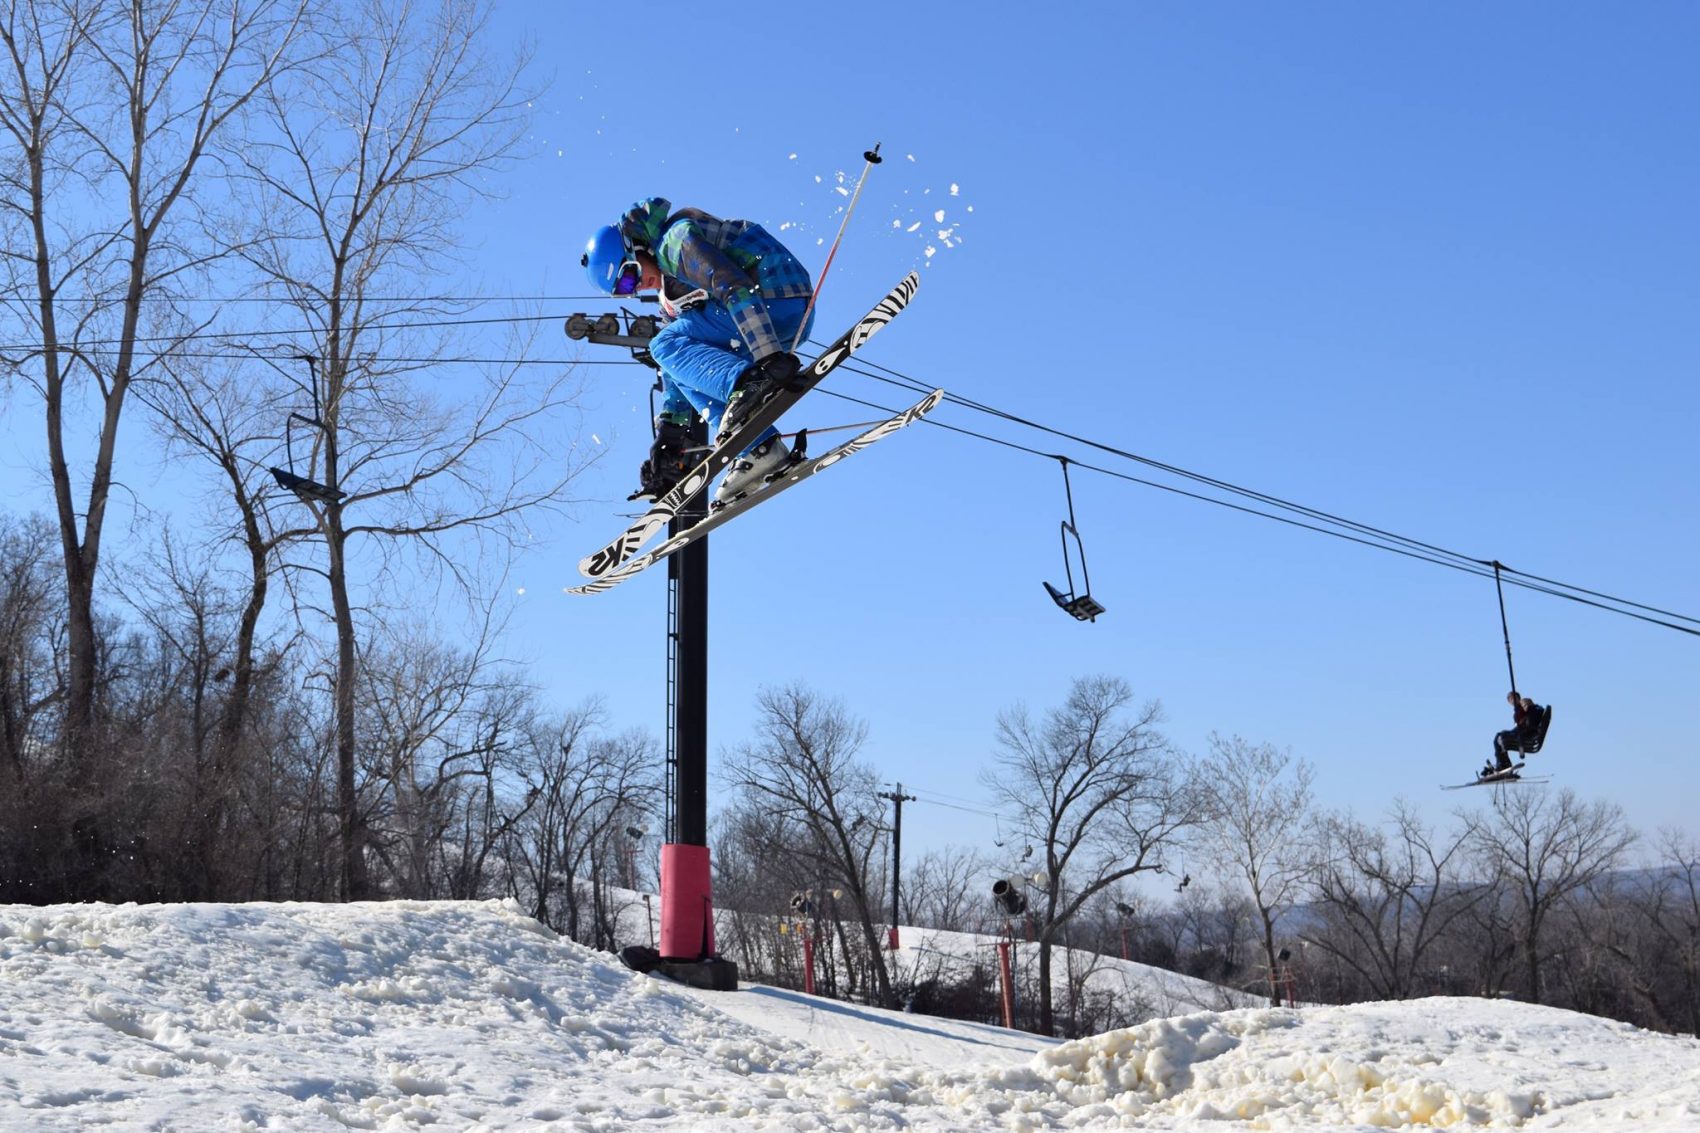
[(686, 943)]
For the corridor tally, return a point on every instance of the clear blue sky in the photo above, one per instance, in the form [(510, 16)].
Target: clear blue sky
[(1433, 268)]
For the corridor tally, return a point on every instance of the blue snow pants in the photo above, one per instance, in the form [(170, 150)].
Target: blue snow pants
[(701, 355)]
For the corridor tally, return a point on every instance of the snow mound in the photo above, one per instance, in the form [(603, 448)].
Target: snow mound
[(1434, 1063), (472, 1016)]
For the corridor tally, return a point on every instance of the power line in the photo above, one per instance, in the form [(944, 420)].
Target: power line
[(1223, 485), (224, 300), (1364, 535), (246, 356), (110, 345), (1312, 519)]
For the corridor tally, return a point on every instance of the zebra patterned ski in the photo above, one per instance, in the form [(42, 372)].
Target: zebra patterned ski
[(664, 509), (794, 475)]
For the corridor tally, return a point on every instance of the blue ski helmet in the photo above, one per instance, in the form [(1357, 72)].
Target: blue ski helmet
[(603, 255)]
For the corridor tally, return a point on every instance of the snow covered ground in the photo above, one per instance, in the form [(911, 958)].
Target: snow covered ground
[(407, 1015)]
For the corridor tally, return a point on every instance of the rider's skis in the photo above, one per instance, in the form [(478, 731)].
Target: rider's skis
[(668, 506), (782, 480), (1512, 774)]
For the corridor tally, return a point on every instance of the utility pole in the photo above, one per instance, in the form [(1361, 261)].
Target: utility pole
[(898, 798)]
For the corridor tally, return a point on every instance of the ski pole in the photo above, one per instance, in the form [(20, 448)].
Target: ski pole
[(872, 157)]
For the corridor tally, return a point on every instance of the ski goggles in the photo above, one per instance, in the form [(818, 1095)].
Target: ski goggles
[(631, 274)]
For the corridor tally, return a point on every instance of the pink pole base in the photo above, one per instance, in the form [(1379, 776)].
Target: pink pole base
[(687, 908)]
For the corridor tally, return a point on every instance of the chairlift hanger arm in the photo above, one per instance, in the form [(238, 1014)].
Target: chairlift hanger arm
[(305, 488), (1504, 626), (1082, 606)]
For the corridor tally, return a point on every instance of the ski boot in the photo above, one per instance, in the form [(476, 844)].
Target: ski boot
[(670, 457), (750, 468), (753, 387)]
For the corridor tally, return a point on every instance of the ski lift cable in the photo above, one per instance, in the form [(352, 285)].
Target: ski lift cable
[(995, 816), (1549, 586), (1468, 566), (1449, 559), (905, 381), (937, 794), (1175, 470), (1434, 554), (1593, 593)]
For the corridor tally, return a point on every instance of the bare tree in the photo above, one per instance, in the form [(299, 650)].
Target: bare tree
[(221, 417), (803, 767), (442, 720), (581, 790), (31, 689), (1546, 847), (944, 889), (758, 875), (29, 617), (1096, 792), (120, 113), (1259, 811), (1386, 898), (1657, 930), (364, 198), (199, 628)]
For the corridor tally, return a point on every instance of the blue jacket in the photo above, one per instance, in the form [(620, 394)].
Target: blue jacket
[(737, 263)]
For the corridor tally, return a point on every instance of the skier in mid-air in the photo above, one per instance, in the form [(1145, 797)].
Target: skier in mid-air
[(735, 300)]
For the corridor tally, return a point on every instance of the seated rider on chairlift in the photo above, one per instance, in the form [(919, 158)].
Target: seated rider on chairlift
[(1526, 715)]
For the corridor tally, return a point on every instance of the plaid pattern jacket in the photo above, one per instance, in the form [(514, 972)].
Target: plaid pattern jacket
[(738, 263)]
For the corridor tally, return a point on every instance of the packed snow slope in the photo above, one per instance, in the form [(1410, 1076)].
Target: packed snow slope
[(402, 1015)]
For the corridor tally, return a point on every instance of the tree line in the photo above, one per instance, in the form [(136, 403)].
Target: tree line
[(221, 222), (1218, 865), (224, 222)]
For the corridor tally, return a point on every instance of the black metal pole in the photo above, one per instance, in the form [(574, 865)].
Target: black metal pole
[(691, 710), (687, 947)]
